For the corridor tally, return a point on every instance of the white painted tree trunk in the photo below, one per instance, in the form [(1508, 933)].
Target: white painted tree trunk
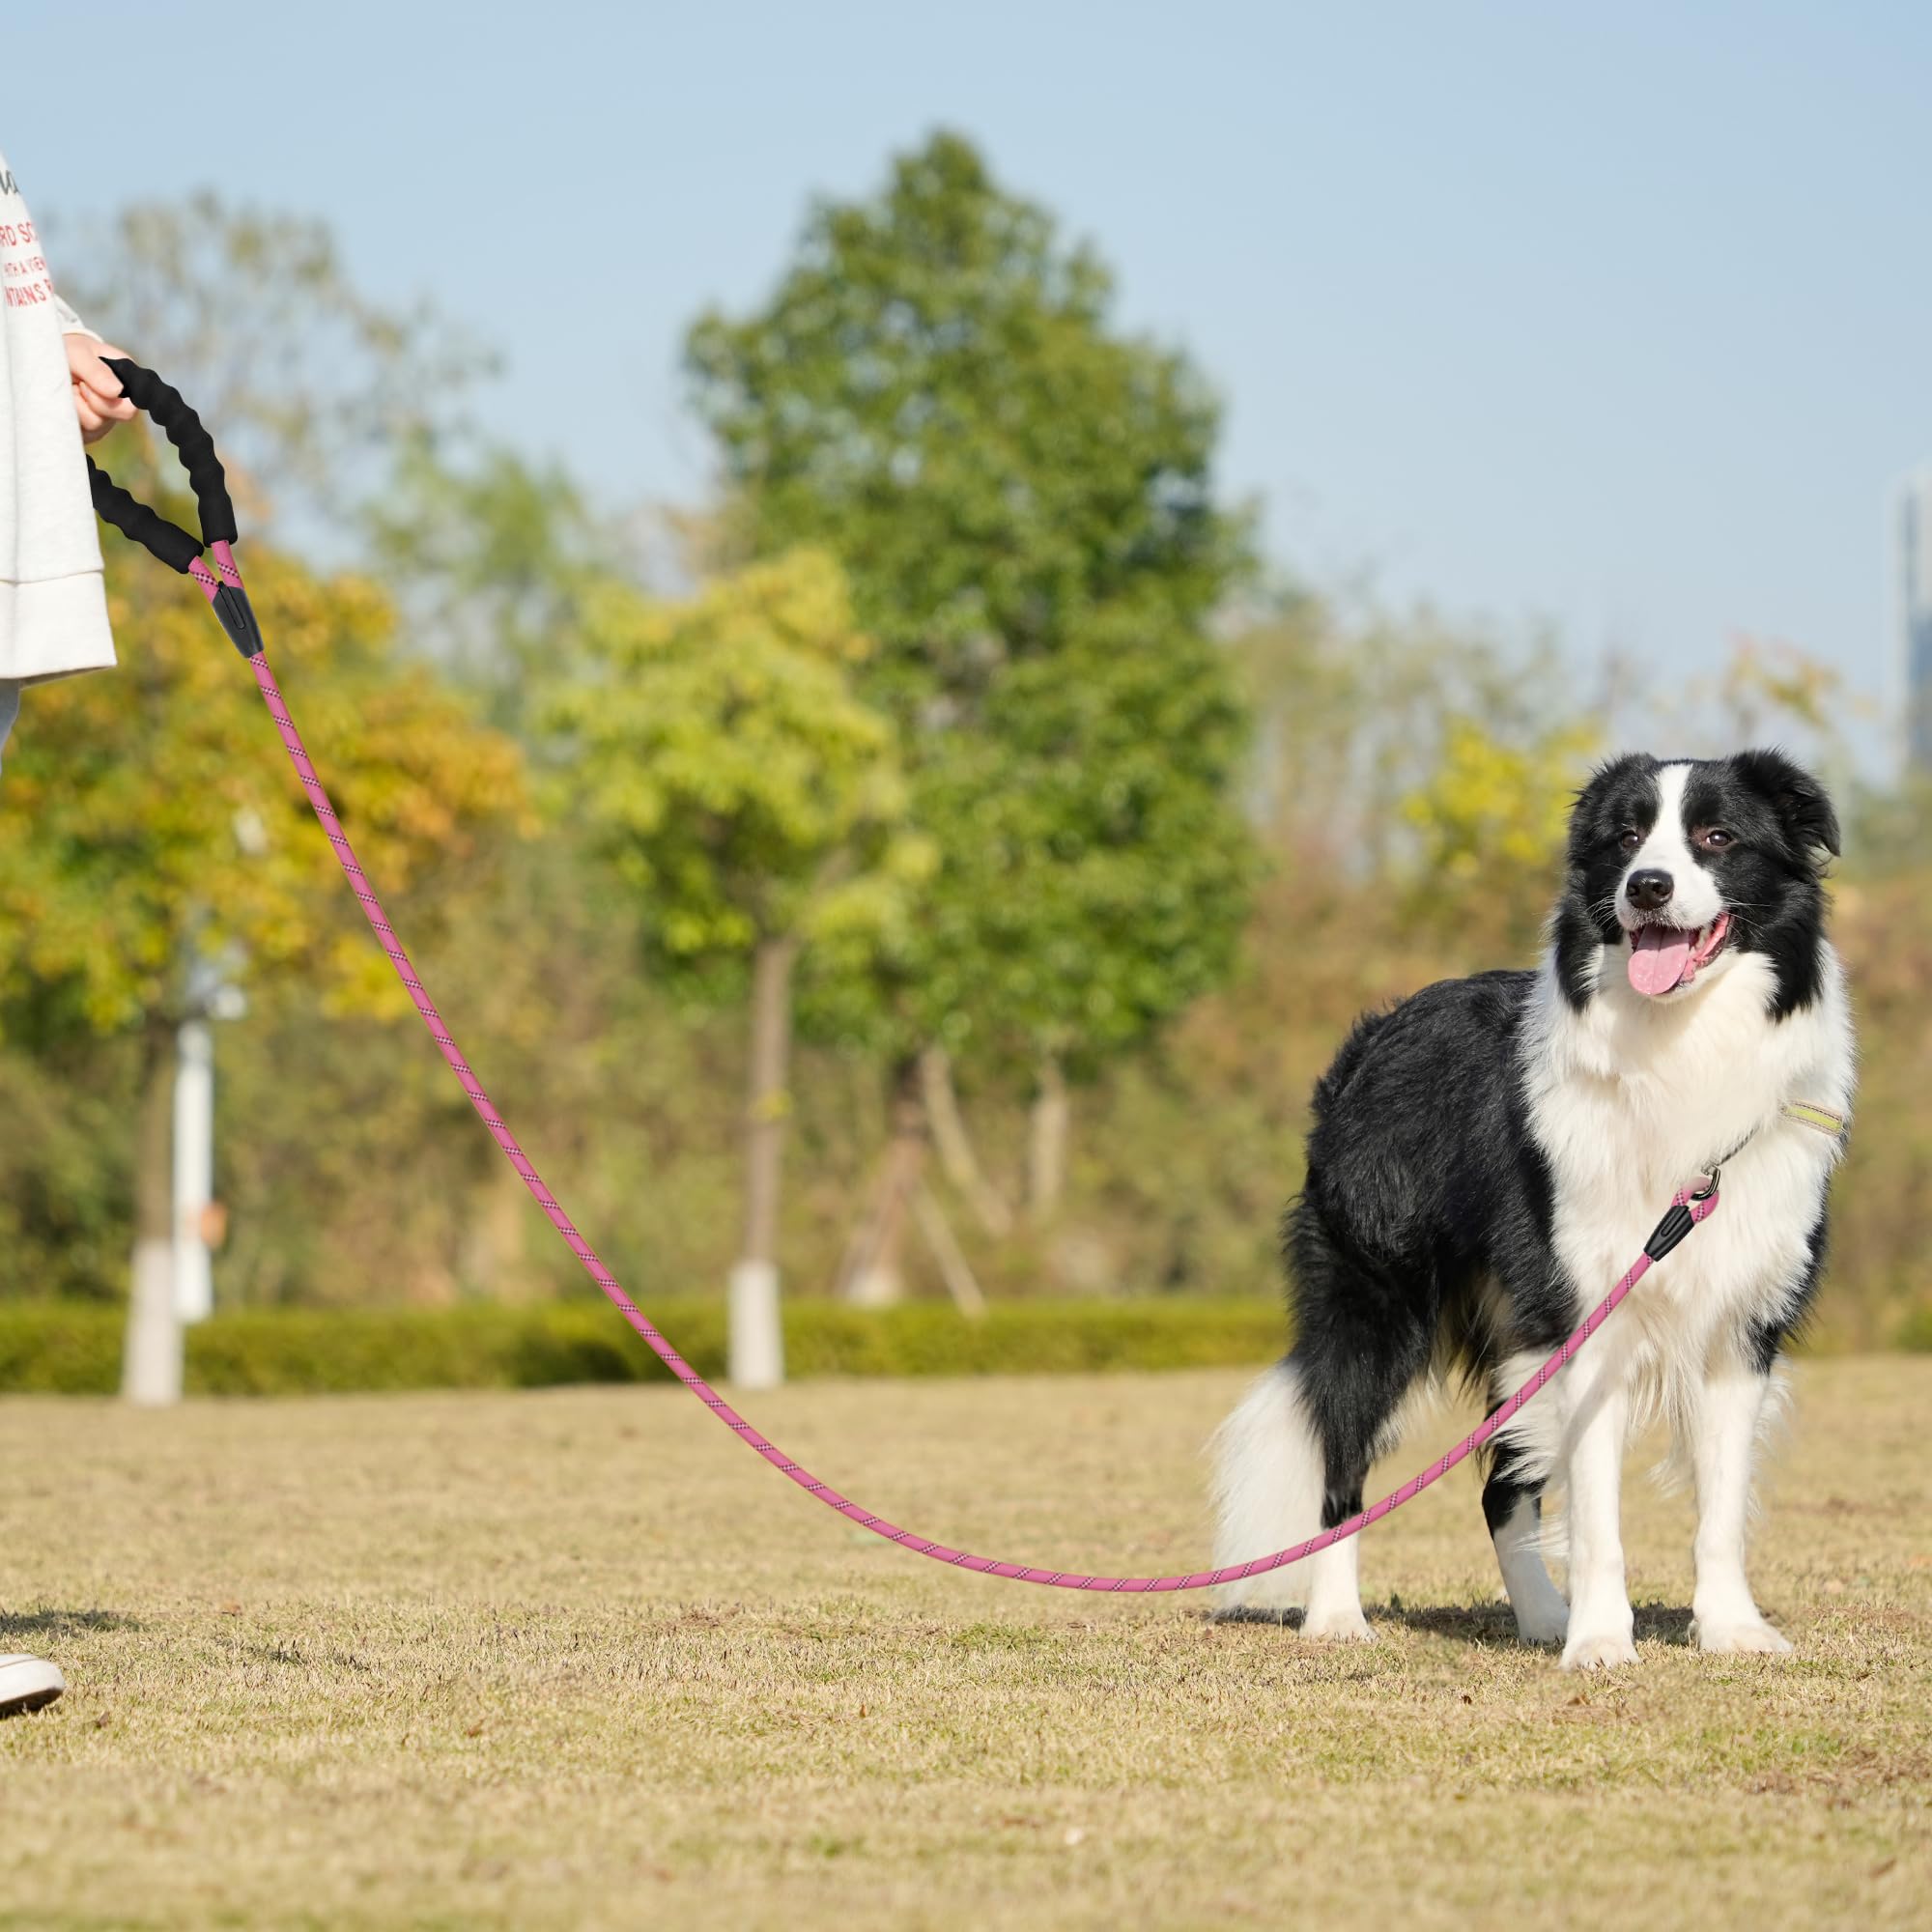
[(150, 1364), (194, 1170), (756, 1353), (150, 1361), (173, 1271), (755, 1349)]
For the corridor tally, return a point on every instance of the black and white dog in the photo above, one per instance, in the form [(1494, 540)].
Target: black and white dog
[(1489, 1155)]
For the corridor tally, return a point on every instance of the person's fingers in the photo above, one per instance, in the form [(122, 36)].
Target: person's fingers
[(97, 400), (85, 362), (102, 383), (110, 403), (100, 374), (106, 404)]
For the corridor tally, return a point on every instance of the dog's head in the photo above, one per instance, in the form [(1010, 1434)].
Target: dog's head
[(1679, 870)]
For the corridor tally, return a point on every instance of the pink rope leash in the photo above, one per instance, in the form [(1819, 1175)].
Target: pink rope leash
[(1698, 1207)]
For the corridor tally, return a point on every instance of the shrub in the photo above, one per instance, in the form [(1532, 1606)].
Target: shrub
[(65, 1348)]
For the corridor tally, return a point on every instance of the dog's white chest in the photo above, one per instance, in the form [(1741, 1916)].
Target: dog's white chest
[(1631, 1103)]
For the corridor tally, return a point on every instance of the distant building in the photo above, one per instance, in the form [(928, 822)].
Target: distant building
[(1913, 579)]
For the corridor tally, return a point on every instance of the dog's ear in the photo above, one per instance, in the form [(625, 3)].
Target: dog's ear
[(1802, 802)]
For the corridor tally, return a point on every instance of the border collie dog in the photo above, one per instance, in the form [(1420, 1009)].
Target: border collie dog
[(1490, 1155)]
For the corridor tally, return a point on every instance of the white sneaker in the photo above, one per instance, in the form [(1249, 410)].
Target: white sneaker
[(26, 1683)]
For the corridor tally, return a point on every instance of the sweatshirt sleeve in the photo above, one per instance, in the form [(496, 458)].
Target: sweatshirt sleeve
[(70, 324)]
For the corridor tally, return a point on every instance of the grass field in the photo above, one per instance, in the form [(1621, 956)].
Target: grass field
[(576, 1658)]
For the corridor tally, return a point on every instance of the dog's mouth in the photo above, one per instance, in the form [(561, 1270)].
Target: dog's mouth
[(1666, 958)]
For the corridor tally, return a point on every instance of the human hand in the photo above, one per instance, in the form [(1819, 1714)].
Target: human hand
[(97, 400)]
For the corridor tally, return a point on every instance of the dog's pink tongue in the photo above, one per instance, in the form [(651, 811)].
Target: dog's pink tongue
[(1658, 959)]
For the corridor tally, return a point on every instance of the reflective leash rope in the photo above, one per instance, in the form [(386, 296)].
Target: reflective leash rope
[(1688, 1209), (223, 589)]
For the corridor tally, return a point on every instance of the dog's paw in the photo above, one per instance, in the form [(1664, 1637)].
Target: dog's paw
[(1543, 1621), (1748, 1635), (1343, 1625), (1602, 1650)]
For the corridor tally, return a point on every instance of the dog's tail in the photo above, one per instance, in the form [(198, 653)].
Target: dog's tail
[(1269, 1484)]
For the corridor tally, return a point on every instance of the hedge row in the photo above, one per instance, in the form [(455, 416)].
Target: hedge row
[(74, 1349)]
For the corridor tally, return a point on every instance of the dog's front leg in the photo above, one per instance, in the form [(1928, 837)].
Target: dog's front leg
[(1723, 1444), (1600, 1630)]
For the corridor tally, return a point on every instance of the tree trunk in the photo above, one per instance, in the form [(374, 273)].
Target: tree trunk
[(155, 1139), (495, 1253), (956, 1146), (151, 1365), (756, 1348), (1046, 1151), (193, 1193), (767, 1101), (873, 1276), (955, 1270)]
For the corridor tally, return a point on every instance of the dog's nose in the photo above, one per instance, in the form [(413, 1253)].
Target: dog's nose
[(1649, 889)]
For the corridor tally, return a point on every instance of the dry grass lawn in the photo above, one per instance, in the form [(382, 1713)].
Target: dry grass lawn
[(577, 1659)]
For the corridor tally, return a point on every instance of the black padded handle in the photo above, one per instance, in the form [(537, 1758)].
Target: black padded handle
[(133, 518), (163, 405)]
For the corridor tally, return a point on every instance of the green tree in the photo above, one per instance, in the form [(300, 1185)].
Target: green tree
[(936, 393), (1022, 498), (717, 752), (1100, 877), (152, 820)]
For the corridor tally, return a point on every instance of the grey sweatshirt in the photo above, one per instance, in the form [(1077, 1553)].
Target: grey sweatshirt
[(53, 605)]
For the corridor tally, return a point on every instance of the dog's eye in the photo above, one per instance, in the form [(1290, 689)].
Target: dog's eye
[(1629, 839), (1714, 838)]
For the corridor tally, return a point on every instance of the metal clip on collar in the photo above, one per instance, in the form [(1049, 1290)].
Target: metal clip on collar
[(154, 532)]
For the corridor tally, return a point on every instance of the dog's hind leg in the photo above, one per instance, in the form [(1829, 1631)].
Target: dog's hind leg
[(1276, 1482), (1334, 1575), (1513, 1508), (1355, 1373), (1293, 1457)]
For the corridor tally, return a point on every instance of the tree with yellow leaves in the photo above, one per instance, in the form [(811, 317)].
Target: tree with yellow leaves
[(1493, 813), (152, 823)]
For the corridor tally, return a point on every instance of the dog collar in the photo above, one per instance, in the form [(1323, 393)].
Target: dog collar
[(1826, 1121)]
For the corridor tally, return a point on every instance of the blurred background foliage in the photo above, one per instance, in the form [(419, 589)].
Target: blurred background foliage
[(1082, 829)]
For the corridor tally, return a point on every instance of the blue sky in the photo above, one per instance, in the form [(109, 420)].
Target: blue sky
[(1614, 316)]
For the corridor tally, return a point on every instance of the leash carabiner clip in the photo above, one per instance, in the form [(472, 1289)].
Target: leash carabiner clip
[(163, 406), (1683, 1216)]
